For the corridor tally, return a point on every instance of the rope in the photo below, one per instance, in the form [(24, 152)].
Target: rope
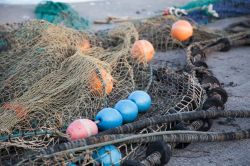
[(185, 116), (129, 128), (152, 159), (167, 136)]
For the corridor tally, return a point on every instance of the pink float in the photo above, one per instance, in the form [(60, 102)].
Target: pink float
[(81, 128)]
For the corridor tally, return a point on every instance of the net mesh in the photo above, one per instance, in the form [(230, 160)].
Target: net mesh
[(41, 82), (36, 50), (47, 82)]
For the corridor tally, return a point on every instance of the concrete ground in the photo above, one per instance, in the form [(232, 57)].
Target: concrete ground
[(231, 68)]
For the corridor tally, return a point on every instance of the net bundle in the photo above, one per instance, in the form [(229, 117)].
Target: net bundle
[(150, 127), (180, 93), (46, 82), (53, 84), (36, 50), (157, 31)]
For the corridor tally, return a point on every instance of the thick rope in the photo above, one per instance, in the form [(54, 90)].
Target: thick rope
[(131, 127), (167, 136)]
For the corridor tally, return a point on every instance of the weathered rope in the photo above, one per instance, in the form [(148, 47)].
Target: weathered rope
[(167, 136), (131, 127), (218, 44), (193, 115)]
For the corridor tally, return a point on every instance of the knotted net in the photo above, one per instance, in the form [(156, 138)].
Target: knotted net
[(47, 76)]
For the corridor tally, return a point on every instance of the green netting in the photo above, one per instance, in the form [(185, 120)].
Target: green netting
[(198, 3), (61, 13)]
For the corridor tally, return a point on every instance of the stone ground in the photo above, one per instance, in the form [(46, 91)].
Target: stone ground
[(231, 68)]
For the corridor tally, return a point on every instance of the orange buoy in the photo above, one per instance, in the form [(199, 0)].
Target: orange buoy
[(17, 108), (106, 80), (85, 45), (182, 30), (143, 51)]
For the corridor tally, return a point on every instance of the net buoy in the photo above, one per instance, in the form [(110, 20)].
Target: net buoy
[(81, 128), (141, 99), (182, 30), (128, 110), (19, 109), (85, 45), (143, 51), (108, 118), (108, 155), (97, 84)]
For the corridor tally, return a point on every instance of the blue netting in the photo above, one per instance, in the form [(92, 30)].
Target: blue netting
[(225, 9), (232, 8)]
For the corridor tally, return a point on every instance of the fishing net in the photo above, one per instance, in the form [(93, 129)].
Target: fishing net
[(48, 76), (36, 49), (61, 14), (157, 31), (223, 8)]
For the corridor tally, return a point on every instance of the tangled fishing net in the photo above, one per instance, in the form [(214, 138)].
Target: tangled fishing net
[(205, 11), (47, 81)]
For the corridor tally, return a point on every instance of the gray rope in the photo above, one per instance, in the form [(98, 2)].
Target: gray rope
[(167, 136)]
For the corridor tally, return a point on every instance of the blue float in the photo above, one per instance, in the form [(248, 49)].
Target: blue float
[(108, 118), (128, 110), (141, 99), (108, 155)]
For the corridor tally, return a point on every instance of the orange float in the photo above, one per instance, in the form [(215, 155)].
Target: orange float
[(143, 51), (17, 108), (182, 30), (106, 80), (85, 45)]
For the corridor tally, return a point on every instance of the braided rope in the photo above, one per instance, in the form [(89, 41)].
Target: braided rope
[(129, 128)]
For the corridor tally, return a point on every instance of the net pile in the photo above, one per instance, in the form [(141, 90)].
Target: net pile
[(47, 82), (36, 50), (49, 70), (157, 31), (47, 78)]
